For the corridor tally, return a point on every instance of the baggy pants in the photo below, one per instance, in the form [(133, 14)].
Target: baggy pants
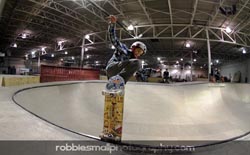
[(124, 68)]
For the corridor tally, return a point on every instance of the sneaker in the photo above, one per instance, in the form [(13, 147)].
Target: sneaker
[(115, 83)]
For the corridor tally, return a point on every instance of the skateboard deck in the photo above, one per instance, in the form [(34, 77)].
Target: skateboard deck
[(113, 115)]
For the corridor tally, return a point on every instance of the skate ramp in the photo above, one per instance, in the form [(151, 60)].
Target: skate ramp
[(151, 111)]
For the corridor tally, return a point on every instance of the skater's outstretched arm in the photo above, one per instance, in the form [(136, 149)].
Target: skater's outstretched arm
[(113, 38)]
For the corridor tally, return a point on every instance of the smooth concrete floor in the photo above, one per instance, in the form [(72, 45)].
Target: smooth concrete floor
[(151, 112), (17, 124)]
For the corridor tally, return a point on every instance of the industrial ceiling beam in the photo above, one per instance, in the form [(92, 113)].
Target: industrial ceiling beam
[(145, 11), (194, 12), (51, 4), (222, 37), (171, 16), (217, 10)]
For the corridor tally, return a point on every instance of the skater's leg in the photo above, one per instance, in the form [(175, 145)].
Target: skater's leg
[(125, 69), (129, 68)]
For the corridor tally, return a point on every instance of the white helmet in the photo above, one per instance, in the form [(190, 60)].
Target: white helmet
[(140, 45)]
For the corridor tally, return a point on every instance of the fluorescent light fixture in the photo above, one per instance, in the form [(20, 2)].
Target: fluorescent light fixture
[(59, 43), (228, 29), (130, 27), (52, 55), (188, 45), (244, 51), (15, 45), (24, 35), (140, 35), (87, 36), (113, 47), (73, 58), (66, 52)]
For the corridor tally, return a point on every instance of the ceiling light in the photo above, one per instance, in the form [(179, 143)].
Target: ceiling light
[(113, 47), (24, 35), (43, 48), (228, 29), (201, 67), (26, 55), (217, 61), (143, 61), (15, 45), (52, 55), (177, 62), (188, 45), (195, 60), (62, 59), (86, 49), (66, 52), (159, 59), (88, 56), (87, 36), (59, 43), (73, 58), (33, 52), (244, 51), (130, 27), (96, 62), (181, 59)]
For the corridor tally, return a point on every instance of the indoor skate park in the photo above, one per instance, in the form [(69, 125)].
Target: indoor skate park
[(189, 96)]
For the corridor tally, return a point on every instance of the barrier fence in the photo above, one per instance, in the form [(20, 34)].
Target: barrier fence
[(55, 73)]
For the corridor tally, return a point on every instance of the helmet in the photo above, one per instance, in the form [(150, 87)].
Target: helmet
[(140, 45)]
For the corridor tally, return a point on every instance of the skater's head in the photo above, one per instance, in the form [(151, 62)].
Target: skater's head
[(138, 48)]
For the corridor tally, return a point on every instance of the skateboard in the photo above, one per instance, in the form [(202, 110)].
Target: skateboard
[(113, 115)]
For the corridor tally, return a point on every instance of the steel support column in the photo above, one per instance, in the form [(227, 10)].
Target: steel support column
[(209, 54), (82, 52), (38, 63)]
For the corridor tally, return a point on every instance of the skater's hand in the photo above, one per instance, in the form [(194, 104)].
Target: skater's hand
[(112, 19)]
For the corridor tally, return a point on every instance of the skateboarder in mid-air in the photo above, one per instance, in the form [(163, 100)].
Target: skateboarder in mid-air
[(124, 62)]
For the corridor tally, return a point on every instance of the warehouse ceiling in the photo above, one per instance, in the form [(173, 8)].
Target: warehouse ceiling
[(53, 27)]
